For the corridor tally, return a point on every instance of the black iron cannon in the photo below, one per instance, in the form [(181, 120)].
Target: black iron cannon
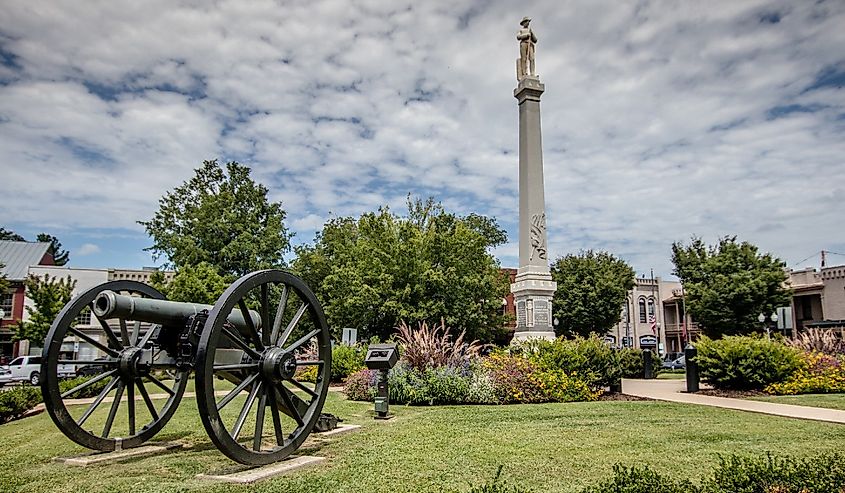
[(247, 353)]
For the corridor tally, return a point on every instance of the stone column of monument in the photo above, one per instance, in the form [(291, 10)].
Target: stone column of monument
[(533, 287)]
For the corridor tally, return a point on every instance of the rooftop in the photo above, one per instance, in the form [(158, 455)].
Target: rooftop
[(19, 255)]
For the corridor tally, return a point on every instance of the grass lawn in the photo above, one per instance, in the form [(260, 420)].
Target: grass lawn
[(830, 401), (549, 448), (671, 376)]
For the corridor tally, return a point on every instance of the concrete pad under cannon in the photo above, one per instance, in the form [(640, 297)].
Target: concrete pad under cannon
[(341, 429), (97, 458), (264, 472)]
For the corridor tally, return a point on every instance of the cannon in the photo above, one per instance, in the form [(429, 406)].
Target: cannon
[(247, 353)]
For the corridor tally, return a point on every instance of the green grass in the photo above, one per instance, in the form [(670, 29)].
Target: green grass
[(548, 447), (830, 401), (671, 376)]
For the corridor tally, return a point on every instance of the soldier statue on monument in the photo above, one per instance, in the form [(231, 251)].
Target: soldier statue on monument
[(527, 39)]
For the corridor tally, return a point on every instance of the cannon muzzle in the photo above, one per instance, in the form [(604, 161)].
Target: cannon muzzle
[(109, 304)]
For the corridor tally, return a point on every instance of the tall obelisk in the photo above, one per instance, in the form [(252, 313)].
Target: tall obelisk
[(533, 287)]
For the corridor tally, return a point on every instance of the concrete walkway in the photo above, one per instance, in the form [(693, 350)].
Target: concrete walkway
[(673, 391)]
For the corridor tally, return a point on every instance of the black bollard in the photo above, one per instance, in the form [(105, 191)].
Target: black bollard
[(648, 364), (691, 364)]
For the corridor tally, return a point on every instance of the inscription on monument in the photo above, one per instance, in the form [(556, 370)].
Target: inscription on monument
[(520, 314), (541, 312)]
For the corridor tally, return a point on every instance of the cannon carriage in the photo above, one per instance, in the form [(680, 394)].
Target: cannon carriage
[(246, 353)]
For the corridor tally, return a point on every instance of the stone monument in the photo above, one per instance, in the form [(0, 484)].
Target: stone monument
[(533, 287)]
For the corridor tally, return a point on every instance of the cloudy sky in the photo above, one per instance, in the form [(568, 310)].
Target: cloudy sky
[(660, 119)]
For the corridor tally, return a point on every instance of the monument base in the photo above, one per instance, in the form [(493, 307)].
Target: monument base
[(533, 299)]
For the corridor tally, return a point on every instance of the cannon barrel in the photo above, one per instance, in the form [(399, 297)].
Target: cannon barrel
[(109, 304)]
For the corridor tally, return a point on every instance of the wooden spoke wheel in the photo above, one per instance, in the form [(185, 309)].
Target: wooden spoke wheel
[(130, 394), (252, 393)]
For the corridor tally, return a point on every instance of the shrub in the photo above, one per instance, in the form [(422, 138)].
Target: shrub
[(630, 363), (640, 480), (16, 401), (306, 374), (514, 378), (432, 386), (432, 346), (91, 391), (818, 340), (745, 362), (346, 360), (558, 386), (593, 360), (819, 474), (361, 385), (818, 373), (481, 387)]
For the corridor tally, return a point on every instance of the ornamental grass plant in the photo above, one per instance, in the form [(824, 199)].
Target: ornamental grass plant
[(432, 346)]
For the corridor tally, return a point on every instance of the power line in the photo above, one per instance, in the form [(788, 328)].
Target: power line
[(802, 261)]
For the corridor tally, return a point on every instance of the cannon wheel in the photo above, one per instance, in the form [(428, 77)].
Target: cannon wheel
[(119, 368), (261, 363)]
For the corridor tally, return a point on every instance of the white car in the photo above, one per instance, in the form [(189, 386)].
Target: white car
[(28, 369)]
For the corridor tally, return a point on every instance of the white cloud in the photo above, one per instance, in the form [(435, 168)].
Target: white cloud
[(87, 249), (659, 119)]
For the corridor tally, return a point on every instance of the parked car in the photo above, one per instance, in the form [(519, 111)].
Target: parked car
[(28, 369), (5, 375), (91, 369), (676, 364)]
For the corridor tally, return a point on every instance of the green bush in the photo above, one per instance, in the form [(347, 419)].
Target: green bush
[(745, 362), (346, 360), (819, 474), (361, 385), (91, 391), (735, 474), (432, 386), (640, 480), (630, 363), (16, 401)]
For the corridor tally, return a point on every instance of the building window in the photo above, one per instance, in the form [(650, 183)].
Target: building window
[(6, 304), (650, 308), (643, 316), (84, 317)]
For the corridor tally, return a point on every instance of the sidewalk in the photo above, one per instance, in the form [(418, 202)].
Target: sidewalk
[(672, 391)]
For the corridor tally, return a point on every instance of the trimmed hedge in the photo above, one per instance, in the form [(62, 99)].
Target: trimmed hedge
[(16, 401), (745, 362)]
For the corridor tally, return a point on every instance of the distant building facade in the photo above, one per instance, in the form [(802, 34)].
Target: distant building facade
[(654, 317), (818, 298), (17, 256)]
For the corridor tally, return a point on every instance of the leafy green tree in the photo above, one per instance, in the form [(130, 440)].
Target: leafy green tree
[(379, 269), (49, 295), (591, 290), (222, 217), (4, 281), (60, 257), (195, 284), (5, 234), (729, 284)]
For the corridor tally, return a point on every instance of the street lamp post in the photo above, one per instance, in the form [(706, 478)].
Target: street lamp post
[(762, 319)]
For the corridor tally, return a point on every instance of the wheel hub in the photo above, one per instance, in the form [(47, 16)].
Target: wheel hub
[(127, 363), (278, 364)]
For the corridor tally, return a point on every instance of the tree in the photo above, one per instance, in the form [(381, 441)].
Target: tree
[(5, 234), (221, 217), (193, 284), (729, 284), (591, 290), (379, 269), (60, 257), (49, 295), (4, 281)]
